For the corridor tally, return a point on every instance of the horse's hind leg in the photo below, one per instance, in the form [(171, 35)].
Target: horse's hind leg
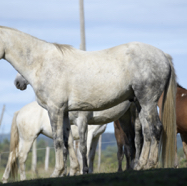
[(138, 138), (91, 152), (24, 147), (127, 131), (120, 142), (151, 129), (156, 130), (8, 169)]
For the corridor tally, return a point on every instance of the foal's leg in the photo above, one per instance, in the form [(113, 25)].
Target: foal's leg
[(82, 127)]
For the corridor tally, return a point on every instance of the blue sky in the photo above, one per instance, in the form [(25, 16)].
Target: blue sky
[(161, 23)]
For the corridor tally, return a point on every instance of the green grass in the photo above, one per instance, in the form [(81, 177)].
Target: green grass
[(106, 175), (161, 177)]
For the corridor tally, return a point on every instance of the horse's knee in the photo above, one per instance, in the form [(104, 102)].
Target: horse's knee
[(83, 148), (146, 133), (157, 130), (58, 142)]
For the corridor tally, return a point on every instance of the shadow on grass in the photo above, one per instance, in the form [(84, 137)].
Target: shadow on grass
[(161, 177)]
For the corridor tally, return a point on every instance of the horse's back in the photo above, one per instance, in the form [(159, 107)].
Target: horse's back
[(115, 71)]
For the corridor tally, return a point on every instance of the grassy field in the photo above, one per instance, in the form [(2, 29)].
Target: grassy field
[(105, 176), (161, 177)]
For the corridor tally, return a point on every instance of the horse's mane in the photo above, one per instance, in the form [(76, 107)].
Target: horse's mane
[(178, 85), (63, 47)]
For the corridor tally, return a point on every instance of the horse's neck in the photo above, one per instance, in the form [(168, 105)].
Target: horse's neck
[(21, 50)]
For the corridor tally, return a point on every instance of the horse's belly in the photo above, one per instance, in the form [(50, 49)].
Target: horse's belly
[(99, 98), (109, 115)]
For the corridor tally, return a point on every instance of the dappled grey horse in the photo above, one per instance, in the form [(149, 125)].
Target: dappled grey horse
[(67, 79)]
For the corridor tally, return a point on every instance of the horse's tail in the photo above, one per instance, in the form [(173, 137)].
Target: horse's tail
[(168, 118), (14, 145)]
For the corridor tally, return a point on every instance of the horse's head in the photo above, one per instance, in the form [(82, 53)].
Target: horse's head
[(20, 82)]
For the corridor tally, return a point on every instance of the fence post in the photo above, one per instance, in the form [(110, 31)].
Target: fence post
[(47, 153), (34, 156), (99, 153), (2, 113)]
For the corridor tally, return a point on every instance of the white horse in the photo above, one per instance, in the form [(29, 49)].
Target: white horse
[(67, 79), (27, 124)]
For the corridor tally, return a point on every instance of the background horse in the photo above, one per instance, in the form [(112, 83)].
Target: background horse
[(181, 116), (67, 79), (181, 123), (125, 134), (27, 124)]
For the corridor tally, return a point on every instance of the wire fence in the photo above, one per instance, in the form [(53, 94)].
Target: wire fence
[(4, 155)]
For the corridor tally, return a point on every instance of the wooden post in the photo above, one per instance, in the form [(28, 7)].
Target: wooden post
[(82, 25), (47, 153), (2, 113), (34, 156), (99, 153)]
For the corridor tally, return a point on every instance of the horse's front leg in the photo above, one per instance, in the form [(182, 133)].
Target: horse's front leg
[(56, 116), (82, 127), (74, 164)]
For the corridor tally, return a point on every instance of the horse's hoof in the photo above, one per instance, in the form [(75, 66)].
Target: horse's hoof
[(137, 166), (149, 165), (4, 181), (85, 170), (120, 170)]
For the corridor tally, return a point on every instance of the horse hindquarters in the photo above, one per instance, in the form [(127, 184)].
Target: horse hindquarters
[(147, 97)]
